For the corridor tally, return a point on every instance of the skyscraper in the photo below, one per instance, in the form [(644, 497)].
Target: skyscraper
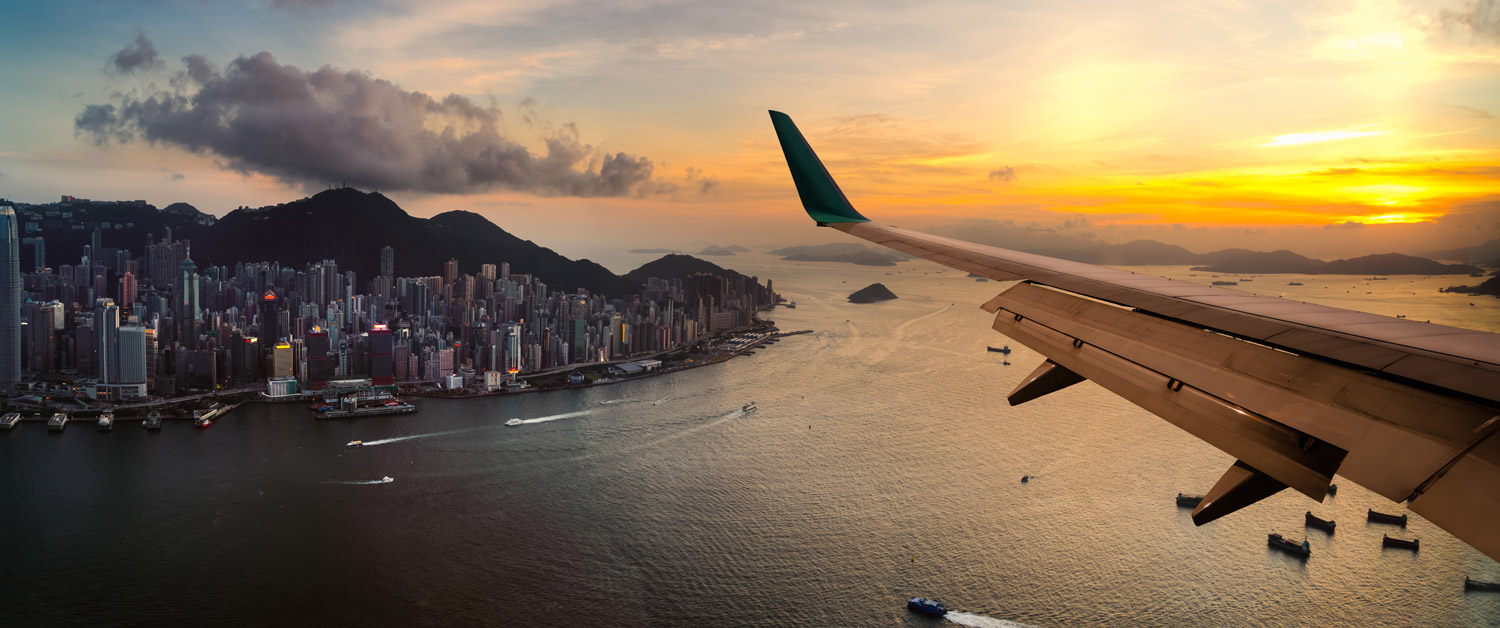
[(132, 352), (107, 341), (450, 271), (388, 262), (186, 302), (10, 298)]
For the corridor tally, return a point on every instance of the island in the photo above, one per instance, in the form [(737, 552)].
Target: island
[(1490, 286), (872, 293)]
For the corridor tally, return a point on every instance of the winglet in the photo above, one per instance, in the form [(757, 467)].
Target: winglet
[(821, 197)]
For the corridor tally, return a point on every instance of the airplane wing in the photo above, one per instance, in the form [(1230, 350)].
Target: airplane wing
[(1296, 392)]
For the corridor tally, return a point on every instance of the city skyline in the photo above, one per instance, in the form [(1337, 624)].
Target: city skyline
[(1115, 122)]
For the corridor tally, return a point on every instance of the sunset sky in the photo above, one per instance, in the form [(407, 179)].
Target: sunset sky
[(595, 127)]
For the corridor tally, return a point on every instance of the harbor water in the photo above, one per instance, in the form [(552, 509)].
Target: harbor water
[(882, 463)]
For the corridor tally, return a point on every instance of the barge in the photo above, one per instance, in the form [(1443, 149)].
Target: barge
[(10, 420), (153, 420), (1471, 584), (1188, 501), (57, 422)]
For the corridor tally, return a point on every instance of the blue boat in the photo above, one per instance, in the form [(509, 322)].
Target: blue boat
[(924, 605)]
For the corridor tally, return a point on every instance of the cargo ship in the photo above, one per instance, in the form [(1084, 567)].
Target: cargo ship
[(1480, 585), (1380, 517), (365, 404), (1325, 525), (1289, 546), (1391, 541)]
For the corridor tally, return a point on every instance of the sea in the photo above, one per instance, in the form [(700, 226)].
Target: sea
[(882, 463)]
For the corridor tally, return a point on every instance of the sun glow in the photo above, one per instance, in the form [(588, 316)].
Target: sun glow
[(1392, 219), (1314, 137)]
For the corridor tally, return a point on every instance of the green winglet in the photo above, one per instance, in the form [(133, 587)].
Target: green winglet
[(821, 197)]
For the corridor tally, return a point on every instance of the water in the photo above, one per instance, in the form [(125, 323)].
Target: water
[(883, 463)]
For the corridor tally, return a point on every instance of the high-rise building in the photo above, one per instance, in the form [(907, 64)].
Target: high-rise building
[(107, 341), (269, 333), (487, 271), (186, 302), (10, 298), (388, 262), (132, 351), (127, 292), (382, 346), (450, 271), (319, 371)]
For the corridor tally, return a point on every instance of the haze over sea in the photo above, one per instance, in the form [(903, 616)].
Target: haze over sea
[(883, 463)]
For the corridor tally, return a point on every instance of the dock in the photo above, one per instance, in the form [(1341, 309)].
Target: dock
[(366, 404)]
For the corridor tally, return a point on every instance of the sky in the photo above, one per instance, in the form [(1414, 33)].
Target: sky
[(1330, 128)]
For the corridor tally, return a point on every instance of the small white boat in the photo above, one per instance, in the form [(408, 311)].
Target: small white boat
[(514, 422), (387, 480), (661, 401), (749, 407), (356, 443)]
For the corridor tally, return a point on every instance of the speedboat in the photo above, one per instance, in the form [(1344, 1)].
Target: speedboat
[(749, 407), (514, 422), (356, 443), (387, 480), (924, 605)]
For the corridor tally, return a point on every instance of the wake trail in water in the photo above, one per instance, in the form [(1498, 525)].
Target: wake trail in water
[(565, 415), (981, 621), (386, 441), (366, 482)]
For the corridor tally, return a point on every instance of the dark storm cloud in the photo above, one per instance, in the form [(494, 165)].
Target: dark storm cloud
[(1005, 174), (135, 56), (327, 125)]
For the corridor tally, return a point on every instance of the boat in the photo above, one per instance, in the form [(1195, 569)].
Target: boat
[(1189, 501), (106, 421), (1380, 517), (1226, 283), (661, 401), (57, 422), (1480, 585), (1005, 349), (356, 443), (981, 279), (1391, 541), (792, 305), (514, 422), (10, 420), (749, 407), (1294, 283), (1289, 546), (1333, 489), (203, 421), (924, 605), (1325, 525), (153, 420), (387, 480)]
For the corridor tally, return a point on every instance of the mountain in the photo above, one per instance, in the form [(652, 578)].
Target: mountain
[(872, 293), (1479, 253), (676, 266), (1133, 253), (351, 226)]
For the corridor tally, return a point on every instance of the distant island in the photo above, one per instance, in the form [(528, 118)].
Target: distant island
[(846, 252), (872, 293), (1245, 261), (1490, 287)]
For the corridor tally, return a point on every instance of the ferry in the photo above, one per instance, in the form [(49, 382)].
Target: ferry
[(153, 420), (1188, 501), (1326, 525), (387, 480), (1391, 541), (57, 422), (10, 420), (1289, 546), (355, 443), (924, 605), (749, 407), (106, 421), (514, 422), (203, 421), (1380, 517), (365, 403)]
